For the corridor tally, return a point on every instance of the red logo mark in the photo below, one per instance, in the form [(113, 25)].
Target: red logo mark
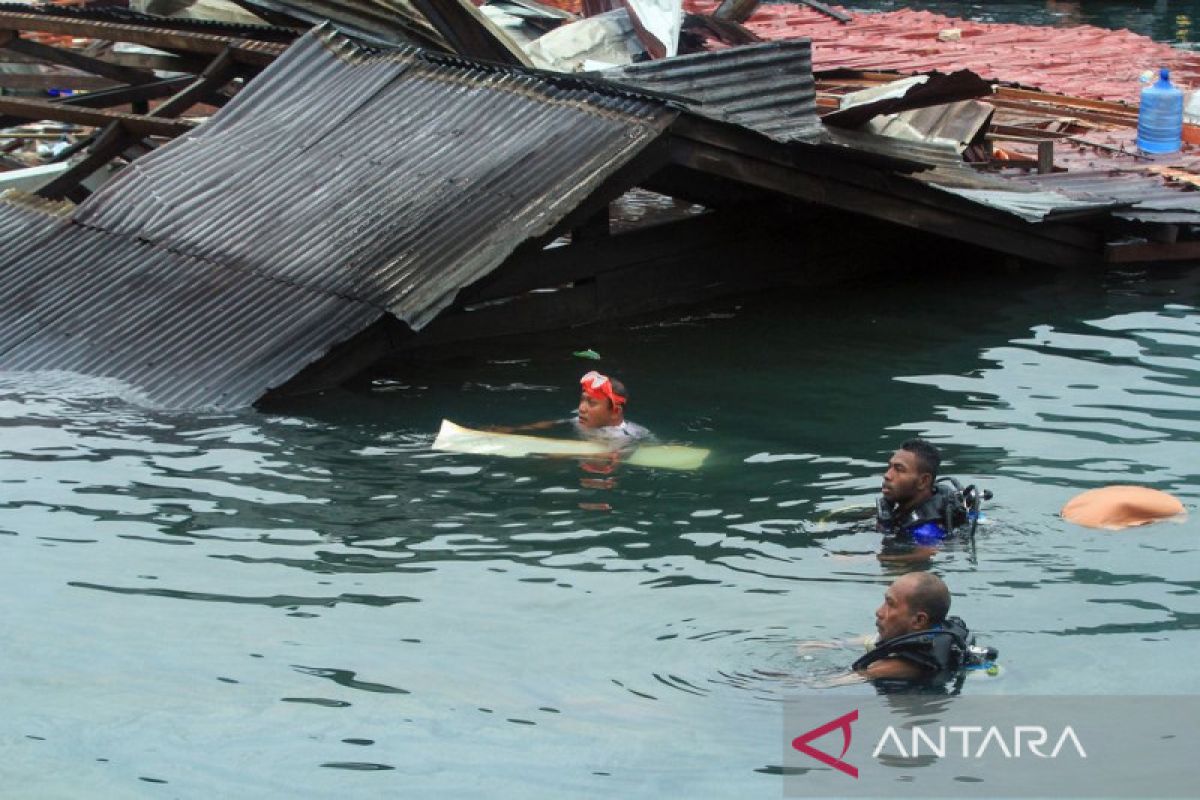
[(842, 722)]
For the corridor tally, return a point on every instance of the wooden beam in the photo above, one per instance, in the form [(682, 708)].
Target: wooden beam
[(60, 112), (69, 58), (771, 251), (816, 5), (470, 33), (144, 61), (108, 146), (24, 82), (877, 193), (246, 51), (163, 63), (1151, 251), (736, 10), (215, 75), (555, 266), (710, 191), (112, 97)]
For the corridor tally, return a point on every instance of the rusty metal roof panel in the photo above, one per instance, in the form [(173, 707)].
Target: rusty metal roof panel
[(766, 87), (341, 184), (1080, 60)]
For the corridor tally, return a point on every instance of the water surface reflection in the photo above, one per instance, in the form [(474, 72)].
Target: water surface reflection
[(308, 601)]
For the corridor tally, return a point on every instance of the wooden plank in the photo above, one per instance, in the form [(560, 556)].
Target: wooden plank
[(881, 195), (163, 63), (1151, 251), (144, 61), (144, 125), (736, 10), (112, 97), (1065, 101), (54, 80), (828, 11), (215, 75), (470, 33), (710, 191), (69, 58), (556, 266)]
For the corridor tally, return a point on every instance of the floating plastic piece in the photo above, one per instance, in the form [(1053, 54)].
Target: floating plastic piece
[(457, 439), (589, 353), (1117, 507)]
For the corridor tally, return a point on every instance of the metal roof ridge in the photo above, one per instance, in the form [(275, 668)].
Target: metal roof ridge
[(353, 50)]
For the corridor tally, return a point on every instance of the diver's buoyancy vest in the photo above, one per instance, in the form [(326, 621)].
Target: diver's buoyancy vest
[(940, 651), (945, 507)]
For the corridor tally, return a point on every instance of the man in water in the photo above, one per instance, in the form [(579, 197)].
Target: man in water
[(913, 504), (600, 415), (601, 412), (918, 641)]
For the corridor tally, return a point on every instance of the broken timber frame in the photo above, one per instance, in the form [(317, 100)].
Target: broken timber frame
[(215, 61)]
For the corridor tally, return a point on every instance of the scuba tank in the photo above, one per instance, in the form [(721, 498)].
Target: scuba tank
[(951, 507)]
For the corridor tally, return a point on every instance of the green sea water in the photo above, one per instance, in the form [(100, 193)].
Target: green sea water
[(309, 602)]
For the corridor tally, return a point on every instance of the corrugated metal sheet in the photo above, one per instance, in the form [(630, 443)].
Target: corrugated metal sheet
[(125, 16), (920, 91), (926, 154), (1031, 206), (182, 331), (339, 185), (395, 178), (384, 22), (954, 125), (767, 87), (1144, 197)]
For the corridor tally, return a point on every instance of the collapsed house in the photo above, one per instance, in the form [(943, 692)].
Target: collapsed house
[(345, 202)]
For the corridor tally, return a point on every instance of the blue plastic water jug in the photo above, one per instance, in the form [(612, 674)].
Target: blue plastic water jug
[(1160, 117)]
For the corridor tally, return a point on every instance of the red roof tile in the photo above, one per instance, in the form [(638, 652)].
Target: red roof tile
[(1082, 61)]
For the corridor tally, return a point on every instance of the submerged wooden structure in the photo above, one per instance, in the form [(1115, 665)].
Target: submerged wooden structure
[(345, 201)]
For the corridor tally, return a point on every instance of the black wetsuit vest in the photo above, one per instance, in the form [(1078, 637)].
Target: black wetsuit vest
[(940, 514), (940, 651)]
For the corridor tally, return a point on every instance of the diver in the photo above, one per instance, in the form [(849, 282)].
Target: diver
[(919, 643), (916, 504)]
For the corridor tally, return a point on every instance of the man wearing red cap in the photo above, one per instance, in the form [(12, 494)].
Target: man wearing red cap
[(601, 413)]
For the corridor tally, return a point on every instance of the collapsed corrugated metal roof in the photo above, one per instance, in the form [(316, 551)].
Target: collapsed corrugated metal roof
[(126, 16), (766, 87), (385, 22), (1142, 197), (339, 185), (1031, 206), (184, 332)]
